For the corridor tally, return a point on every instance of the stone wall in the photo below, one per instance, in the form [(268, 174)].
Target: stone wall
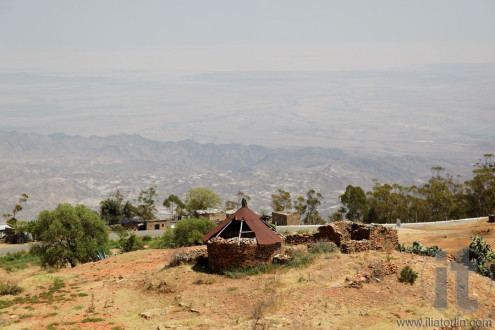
[(304, 238), (224, 254), (357, 237), (351, 236)]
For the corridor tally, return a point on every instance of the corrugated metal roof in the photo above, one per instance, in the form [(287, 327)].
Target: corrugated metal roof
[(3, 227), (264, 235)]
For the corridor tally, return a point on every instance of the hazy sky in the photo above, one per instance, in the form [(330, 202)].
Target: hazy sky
[(177, 36), (416, 70)]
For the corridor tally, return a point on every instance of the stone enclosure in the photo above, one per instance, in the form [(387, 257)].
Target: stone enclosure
[(230, 253), (351, 236), (229, 250)]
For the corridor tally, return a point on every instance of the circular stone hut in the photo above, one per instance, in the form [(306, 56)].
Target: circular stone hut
[(243, 239)]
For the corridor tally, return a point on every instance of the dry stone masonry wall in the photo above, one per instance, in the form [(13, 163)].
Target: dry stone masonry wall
[(230, 253), (351, 236)]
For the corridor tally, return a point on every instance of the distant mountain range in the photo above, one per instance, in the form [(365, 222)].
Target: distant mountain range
[(59, 168)]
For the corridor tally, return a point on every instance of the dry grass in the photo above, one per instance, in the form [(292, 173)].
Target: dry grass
[(122, 287)]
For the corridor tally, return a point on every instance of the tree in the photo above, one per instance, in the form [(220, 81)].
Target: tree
[(202, 199), (128, 210), (481, 189), (281, 201), (300, 205), (380, 209), (11, 217), (337, 215), (174, 201), (241, 195), (146, 209), (232, 205), (111, 211), (69, 235), (309, 207), (354, 201)]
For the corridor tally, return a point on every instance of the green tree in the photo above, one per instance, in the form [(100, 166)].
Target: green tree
[(438, 197), (300, 205), (241, 195), (337, 215), (69, 235), (11, 217), (481, 188), (354, 202), (111, 211), (202, 199), (128, 210), (146, 208), (380, 209), (308, 207), (231, 205), (172, 202), (281, 201)]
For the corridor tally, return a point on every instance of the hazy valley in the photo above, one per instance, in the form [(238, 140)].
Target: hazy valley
[(59, 168)]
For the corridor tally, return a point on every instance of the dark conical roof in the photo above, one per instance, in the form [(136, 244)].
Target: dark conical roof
[(264, 235)]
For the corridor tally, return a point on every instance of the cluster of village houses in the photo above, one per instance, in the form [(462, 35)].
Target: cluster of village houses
[(277, 218), (244, 238), (7, 233)]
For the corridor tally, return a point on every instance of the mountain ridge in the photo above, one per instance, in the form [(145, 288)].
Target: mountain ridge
[(57, 168)]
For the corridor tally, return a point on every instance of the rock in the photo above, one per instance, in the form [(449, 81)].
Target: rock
[(149, 314)]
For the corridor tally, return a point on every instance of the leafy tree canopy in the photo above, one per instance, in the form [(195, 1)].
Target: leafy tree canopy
[(202, 199), (354, 201), (69, 235), (11, 217), (146, 208), (172, 202), (281, 201)]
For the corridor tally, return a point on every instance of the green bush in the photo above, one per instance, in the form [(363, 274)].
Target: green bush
[(8, 288), (419, 249), (163, 242), (114, 244), (132, 243), (146, 238), (407, 275), (187, 232), (18, 260), (482, 255)]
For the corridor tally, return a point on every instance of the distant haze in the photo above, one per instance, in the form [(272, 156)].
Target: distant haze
[(389, 75), (381, 78)]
